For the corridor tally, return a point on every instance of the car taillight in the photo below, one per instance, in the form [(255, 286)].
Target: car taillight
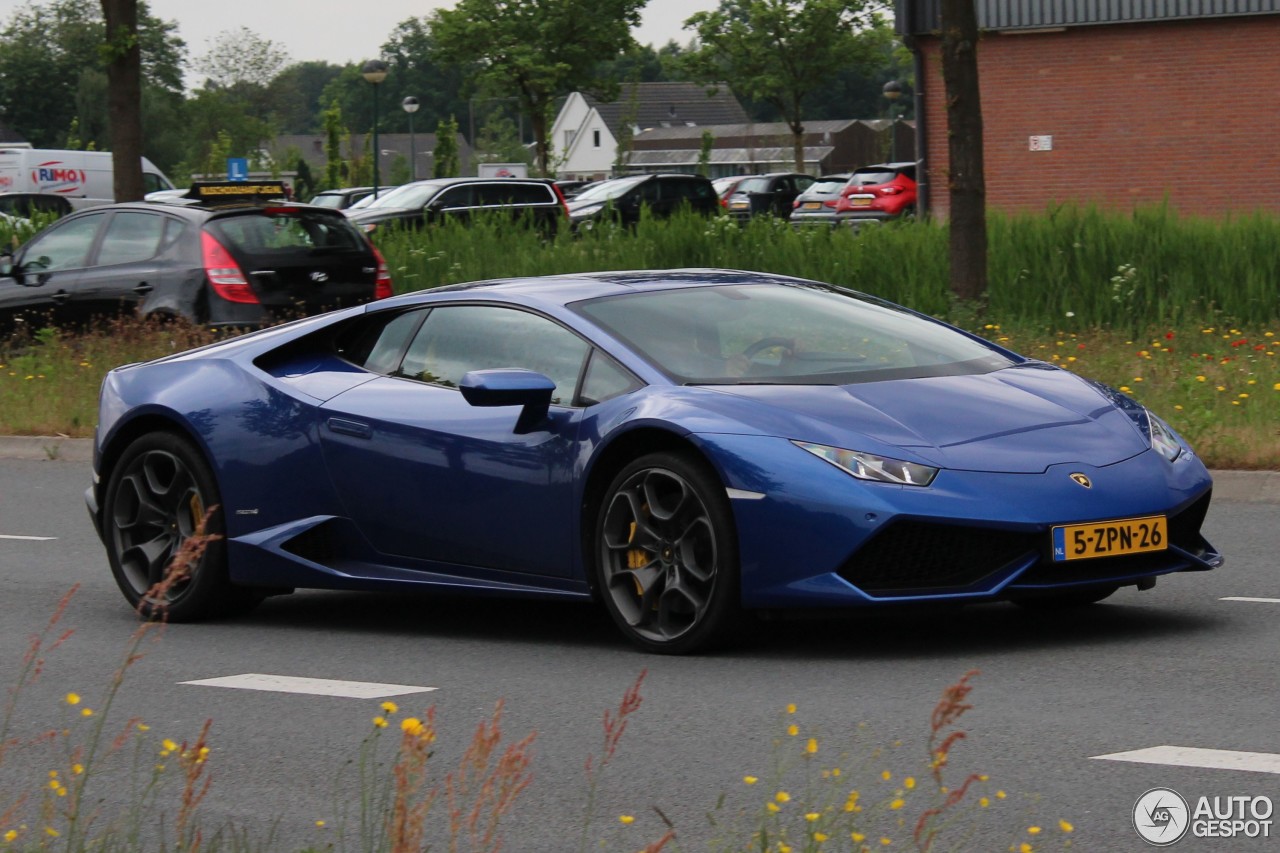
[(830, 202), (564, 204), (724, 201), (891, 190), (223, 272), (382, 285)]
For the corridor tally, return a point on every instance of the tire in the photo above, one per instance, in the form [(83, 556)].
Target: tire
[(1065, 600), (666, 556), (156, 496)]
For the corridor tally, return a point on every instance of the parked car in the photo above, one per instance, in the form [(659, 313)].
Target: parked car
[(341, 199), (678, 446), (235, 256), (569, 189), (817, 204), (85, 178), (766, 195), (724, 187), (621, 199), (21, 205), (878, 193), (436, 200)]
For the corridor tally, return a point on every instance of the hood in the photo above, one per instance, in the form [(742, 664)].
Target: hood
[(1017, 420)]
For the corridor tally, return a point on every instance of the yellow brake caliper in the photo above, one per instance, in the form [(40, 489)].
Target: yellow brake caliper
[(636, 558)]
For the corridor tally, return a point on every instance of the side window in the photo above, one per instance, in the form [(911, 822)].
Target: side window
[(377, 341), (803, 183), (131, 236), (650, 191), (454, 197), (605, 379), (63, 247), (460, 338), (151, 182)]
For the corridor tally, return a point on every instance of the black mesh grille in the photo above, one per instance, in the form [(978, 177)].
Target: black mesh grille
[(919, 556), (317, 544)]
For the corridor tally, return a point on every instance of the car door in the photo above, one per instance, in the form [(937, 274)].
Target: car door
[(123, 270), (47, 270), (428, 476)]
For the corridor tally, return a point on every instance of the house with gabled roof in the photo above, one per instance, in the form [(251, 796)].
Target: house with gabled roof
[(587, 131), (1118, 103)]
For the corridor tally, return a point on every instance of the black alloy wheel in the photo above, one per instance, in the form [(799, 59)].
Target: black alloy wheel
[(666, 555), (156, 500)]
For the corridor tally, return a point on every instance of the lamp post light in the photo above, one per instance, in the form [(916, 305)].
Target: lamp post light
[(410, 105), (375, 71), (893, 91)]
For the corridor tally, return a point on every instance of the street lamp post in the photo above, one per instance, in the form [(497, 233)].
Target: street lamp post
[(893, 91), (375, 71), (410, 105)]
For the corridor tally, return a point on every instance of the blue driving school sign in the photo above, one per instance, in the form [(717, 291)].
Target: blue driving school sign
[(237, 169)]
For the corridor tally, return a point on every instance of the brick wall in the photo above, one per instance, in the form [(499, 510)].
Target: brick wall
[(1187, 110)]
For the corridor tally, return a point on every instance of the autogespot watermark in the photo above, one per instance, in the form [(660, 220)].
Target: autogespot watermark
[(1162, 817)]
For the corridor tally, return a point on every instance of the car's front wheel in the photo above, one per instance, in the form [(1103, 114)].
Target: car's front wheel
[(666, 555), (160, 498)]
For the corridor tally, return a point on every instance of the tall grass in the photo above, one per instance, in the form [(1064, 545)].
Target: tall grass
[(1102, 269)]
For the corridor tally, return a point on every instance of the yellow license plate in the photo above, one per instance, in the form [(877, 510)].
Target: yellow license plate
[(1110, 538), (740, 205), (811, 205), (860, 201)]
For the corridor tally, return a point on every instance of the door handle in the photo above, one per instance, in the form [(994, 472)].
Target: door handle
[(143, 288), (352, 428)]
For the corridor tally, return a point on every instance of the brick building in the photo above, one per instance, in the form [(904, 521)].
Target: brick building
[(1118, 103)]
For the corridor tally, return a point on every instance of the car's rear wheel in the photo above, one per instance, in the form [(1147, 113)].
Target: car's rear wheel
[(1065, 599), (666, 555), (160, 497)]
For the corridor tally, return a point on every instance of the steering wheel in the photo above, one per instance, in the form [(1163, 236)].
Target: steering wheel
[(752, 350)]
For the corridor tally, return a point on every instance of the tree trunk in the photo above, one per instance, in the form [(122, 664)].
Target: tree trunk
[(967, 181), (538, 123), (797, 144), (124, 97)]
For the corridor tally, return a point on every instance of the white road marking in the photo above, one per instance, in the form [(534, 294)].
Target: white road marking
[(312, 686), (1246, 598), (28, 538), (1190, 756)]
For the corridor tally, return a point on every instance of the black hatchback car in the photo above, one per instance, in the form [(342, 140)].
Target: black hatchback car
[(766, 195), (459, 199), (235, 255), (621, 199)]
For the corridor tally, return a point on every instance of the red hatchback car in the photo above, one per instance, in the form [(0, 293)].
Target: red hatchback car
[(878, 193)]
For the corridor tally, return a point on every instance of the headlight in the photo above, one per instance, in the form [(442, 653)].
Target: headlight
[(867, 466), (584, 212), (1163, 438)]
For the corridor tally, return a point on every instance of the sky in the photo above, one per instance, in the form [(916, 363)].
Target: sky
[(341, 31)]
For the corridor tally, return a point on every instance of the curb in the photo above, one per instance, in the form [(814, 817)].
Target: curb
[(1238, 486)]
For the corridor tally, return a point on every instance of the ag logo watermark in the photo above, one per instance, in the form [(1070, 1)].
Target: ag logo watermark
[(1162, 817)]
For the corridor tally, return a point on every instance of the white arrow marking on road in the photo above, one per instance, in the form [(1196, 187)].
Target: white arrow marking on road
[(1190, 756), (312, 686), (28, 538), (1245, 598)]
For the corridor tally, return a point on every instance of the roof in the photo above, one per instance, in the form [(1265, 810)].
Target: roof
[(729, 156), (924, 16), (756, 129), (655, 105)]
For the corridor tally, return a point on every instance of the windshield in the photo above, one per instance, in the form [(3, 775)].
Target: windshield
[(796, 334), (827, 185), (866, 179), (409, 196), (327, 200), (606, 190), (753, 185)]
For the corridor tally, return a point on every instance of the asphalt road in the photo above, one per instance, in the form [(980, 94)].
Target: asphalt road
[(1176, 666)]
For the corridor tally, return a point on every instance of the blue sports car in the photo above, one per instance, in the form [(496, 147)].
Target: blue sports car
[(685, 447)]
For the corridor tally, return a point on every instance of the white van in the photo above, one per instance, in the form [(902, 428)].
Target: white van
[(83, 177)]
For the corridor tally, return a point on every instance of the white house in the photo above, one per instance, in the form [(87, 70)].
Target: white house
[(584, 137)]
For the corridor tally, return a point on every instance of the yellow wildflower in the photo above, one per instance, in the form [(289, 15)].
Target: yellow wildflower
[(1033, 830), (10, 836), (750, 780), (791, 708), (819, 837), (626, 819), (773, 807), (73, 698), (782, 797), (857, 837), (51, 832), (812, 816), (793, 730), (886, 775), (380, 722), (909, 782), (1065, 826), (1024, 847), (320, 824), (86, 712), (1000, 795), (984, 802), (389, 707), (168, 744), (897, 804), (812, 746)]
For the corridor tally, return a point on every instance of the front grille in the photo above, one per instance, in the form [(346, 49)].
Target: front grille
[(920, 556), (912, 557)]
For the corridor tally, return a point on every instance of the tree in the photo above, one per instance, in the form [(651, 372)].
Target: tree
[(780, 51), (536, 50), (445, 156), (333, 146), (241, 56), (967, 181), (122, 55)]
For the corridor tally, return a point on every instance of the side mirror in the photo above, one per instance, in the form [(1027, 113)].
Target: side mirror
[(510, 386)]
